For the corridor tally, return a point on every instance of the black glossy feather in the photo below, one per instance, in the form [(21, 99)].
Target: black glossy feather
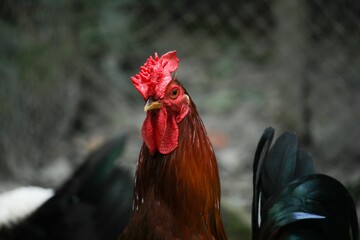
[(304, 164), (280, 164), (95, 203), (321, 200), (260, 153), (295, 203)]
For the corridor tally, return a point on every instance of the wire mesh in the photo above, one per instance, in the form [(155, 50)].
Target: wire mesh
[(65, 68)]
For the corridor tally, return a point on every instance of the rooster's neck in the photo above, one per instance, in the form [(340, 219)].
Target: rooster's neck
[(181, 188)]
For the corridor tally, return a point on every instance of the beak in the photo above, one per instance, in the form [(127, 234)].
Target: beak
[(151, 105)]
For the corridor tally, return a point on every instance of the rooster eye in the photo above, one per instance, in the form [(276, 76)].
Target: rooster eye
[(174, 93)]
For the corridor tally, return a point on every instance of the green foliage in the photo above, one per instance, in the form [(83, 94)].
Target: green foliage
[(236, 225)]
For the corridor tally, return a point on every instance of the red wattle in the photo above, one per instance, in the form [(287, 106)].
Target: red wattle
[(170, 134), (160, 132), (148, 134)]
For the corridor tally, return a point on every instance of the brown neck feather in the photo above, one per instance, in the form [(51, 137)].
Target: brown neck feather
[(186, 181)]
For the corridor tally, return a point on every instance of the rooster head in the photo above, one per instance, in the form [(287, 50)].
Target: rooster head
[(166, 105)]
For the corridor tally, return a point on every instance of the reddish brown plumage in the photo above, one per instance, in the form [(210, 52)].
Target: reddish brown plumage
[(177, 195)]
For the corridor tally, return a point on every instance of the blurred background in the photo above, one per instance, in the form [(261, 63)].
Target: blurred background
[(65, 88)]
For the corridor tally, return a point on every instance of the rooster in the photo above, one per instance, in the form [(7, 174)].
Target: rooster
[(94, 204), (291, 201), (177, 186)]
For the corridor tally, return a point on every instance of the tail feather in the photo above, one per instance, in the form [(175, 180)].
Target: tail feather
[(316, 198), (304, 164), (260, 154), (280, 165), (292, 202)]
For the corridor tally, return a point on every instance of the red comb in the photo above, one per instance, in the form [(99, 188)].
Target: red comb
[(155, 75)]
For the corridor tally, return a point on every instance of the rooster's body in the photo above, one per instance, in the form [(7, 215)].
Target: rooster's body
[(94, 204), (177, 187)]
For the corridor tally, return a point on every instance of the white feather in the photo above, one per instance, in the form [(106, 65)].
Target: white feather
[(19, 203)]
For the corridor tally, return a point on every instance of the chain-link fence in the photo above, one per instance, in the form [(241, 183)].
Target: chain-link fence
[(295, 65)]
